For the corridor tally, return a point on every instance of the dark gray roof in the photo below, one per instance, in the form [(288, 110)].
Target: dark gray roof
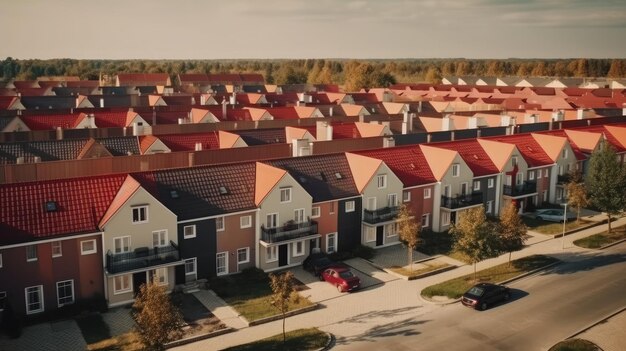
[(52, 150), (121, 146), (262, 136), (48, 102)]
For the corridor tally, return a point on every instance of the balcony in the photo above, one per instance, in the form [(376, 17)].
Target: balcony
[(289, 231), (460, 201), (520, 190), (381, 215), (141, 257), (563, 178)]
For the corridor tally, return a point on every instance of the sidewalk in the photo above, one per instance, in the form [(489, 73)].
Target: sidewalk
[(396, 300), (609, 334)]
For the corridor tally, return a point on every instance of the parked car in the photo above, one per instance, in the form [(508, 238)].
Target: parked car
[(316, 263), (481, 295), (554, 215), (342, 278)]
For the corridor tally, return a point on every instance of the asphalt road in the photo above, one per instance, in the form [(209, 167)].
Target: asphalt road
[(545, 309)]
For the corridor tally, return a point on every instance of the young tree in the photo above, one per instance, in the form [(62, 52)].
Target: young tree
[(576, 193), (474, 236), (606, 182), (408, 230), (157, 320), (282, 289), (512, 230)]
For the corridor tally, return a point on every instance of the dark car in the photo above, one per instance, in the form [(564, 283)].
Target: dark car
[(342, 278), (316, 263), (482, 295)]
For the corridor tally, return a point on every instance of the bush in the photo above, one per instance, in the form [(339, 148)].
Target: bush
[(363, 251)]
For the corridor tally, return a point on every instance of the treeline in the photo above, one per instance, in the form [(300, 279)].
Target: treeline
[(353, 74)]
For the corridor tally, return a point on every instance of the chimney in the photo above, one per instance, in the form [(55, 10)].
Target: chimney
[(202, 99), (298, 103), (361, 118), (233, 98), (323, 131), (37, 159), (19, 160), (135, 129), (330, 111), (389, 142), (91, 118), (198, 147), (624, 109), (580, 113), (419, 107), (101, 102), (405, 122), (59, 133), (224, 103), (181, 121)]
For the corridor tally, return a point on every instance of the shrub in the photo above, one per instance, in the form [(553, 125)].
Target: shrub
[(364, 251)]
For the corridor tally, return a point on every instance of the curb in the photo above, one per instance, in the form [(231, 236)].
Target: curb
[(278, 316), (423, 275), (602, 320), (579, 229), (523, 275), (329, 344), (192, 339), (611, 244)]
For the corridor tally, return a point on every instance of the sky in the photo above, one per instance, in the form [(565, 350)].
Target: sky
[(260, 29)]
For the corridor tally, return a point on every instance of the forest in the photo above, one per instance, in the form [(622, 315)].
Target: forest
[(352, 74)]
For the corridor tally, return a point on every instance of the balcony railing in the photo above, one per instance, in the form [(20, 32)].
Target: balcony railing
[(381, 215), (520, 190), (563, 178), (141, 257), (460, 201), (288, 232)]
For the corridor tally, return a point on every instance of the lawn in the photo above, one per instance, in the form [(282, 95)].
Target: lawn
[(418, 269), (297, 340), (440, 244), (598, 240), (551, 228), (249, 294), (98, 337), (454, 288), (575, 345)]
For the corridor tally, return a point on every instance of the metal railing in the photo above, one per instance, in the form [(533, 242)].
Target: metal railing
[(381, 215), (288, 231), (141, 257), (461, 201), (519, 190)]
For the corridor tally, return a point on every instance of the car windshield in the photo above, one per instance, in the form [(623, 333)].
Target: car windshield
[(476, 291), (346, 274)]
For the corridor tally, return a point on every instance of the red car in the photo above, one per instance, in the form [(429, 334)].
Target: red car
[(342, 278)]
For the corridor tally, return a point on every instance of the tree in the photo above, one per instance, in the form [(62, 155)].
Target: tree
[(576, 192), (282, 290), (408, 230), (157, 321), (474, 236), (606, 182), (616, 70), (512, 230), (433, 76)]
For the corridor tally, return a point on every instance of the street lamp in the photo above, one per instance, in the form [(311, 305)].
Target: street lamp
[(564, 221)]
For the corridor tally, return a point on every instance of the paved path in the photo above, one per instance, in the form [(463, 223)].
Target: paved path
[(220, 309), (609, 335)]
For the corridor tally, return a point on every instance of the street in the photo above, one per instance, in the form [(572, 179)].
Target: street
[(545, 309)]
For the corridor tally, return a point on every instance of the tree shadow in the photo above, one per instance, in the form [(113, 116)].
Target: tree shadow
[(361, 318), (583, 262), (405, 327)]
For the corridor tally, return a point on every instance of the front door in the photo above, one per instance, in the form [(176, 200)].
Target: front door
[(282, 255), (379, 235), (139, 279), (313, 245)]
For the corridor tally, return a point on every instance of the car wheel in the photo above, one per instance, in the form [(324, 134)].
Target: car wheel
[(339, 288), (319, 276), (507, 296), (483, 306)]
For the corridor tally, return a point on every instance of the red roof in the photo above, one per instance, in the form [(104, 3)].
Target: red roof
[(6, 101), (143, 78), (617, 144), (26, 208), (283, 112), (561, 132), (46, 122), (530, 149), (111, 119), (187, 142), (473, 154), (407, 163)]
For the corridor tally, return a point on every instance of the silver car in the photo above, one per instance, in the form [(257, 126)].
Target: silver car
[(553, 215)]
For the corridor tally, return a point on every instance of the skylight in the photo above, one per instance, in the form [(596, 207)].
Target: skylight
[(223, 190), (174, 194), (51, 206), (338, 175)]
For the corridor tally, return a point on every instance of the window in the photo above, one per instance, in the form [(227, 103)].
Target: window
[(447, 190), (315, 212), (285, 195), (121, 244), (331, 208), (445, 218), (298, 215), (381, 181), (159, 238), (425, 220), (88, 247), (392, 200), (271, 254), (427, 193), (331, 243), (464, 186), (489, 207), (140, 214), (490, 183), (391, 229), (298, 248), (564, 153), (476, 185), (545, 195), (0, 260), (190, 267), (406, 196), (57, 250), (456, 168), (65, 292), (243, 255), (531, 175), (31, 253), (349, 206), (189, 231), (560, 170), (546, 173), (519, 179), (371, 203), (159, 276), (514, 161), (271, 220), (121, 284), (221, 263), (245, 221), (3, 300), (559, 193), (370, 234), (34, 299), (219, 224)]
